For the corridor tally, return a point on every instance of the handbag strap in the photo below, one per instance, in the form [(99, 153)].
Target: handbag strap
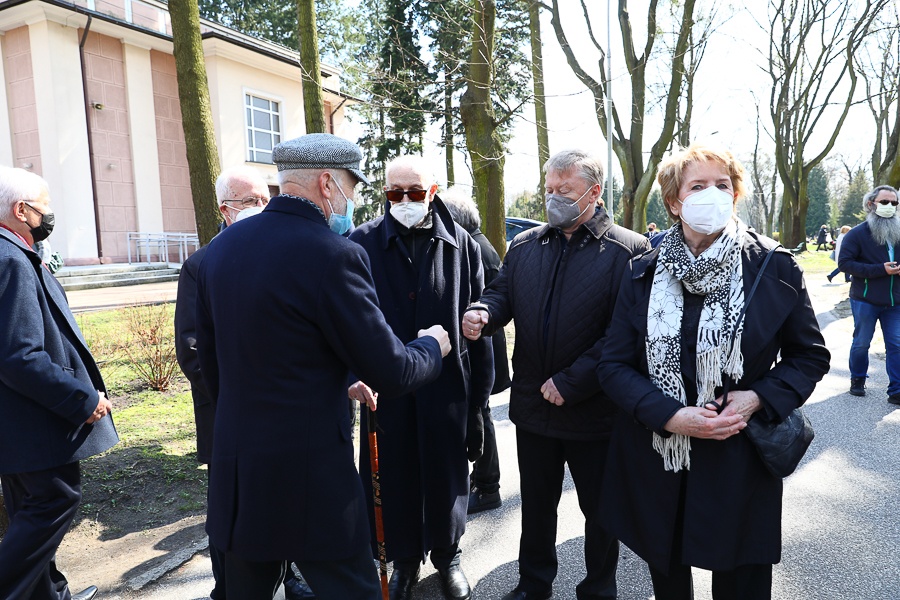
[(727, 383)]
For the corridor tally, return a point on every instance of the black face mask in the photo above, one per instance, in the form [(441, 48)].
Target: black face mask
[(45, 228)]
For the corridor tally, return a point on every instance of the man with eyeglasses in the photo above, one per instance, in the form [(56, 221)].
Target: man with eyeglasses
[(869, 252), (237, 189), (53, 406), (426, 269)]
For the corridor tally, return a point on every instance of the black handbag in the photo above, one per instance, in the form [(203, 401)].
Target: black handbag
[(781, 445)]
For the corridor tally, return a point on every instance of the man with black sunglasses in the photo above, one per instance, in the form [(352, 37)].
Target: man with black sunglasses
[(426, 268), (870, 253)]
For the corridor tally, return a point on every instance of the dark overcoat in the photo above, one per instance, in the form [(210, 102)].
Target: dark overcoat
[(422, 436), (732, 512), (186, 353), (48, 378), (285, 308), (491, 263)]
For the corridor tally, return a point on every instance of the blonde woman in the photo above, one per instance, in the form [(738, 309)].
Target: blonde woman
[(683, 486)]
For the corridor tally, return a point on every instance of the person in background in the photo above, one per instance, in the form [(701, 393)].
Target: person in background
[(682, 487), (240, 192), (52, 399), (426, 269), (835, 254), (276, 345), (651, 230), (869, 256), (485, 478), (558, 285), (822, 238)]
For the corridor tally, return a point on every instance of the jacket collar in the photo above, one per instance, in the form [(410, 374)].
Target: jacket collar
[(14, 239), (442, 228), (294, 205), (597, 225)]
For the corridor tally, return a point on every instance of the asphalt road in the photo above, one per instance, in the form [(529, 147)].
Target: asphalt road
[(840, 527)]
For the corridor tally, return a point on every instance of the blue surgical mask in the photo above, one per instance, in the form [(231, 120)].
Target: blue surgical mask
[(340, 224)]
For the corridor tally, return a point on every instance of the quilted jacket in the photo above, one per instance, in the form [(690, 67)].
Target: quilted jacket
[(560, 297)]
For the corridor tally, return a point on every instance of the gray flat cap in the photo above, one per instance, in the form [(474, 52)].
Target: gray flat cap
[(319, 151)]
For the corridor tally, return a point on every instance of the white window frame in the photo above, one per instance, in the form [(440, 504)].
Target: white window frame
[(248, 126)]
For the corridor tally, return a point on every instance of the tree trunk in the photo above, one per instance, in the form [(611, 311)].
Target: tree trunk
[(482, 138), (196, 115), (537, 76), (310, 70), (448, 130)]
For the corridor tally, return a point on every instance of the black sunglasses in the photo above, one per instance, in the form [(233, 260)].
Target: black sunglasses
[(397, 195), (886, 202)]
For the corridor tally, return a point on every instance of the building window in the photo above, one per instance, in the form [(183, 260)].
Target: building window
[(263, 128)]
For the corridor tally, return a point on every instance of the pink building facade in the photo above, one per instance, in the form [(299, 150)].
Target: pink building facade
[(92, 105)]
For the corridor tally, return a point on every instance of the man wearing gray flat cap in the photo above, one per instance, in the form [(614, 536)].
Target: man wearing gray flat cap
[(276, 343)]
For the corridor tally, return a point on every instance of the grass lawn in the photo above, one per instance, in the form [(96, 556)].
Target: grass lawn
[(151, 477)]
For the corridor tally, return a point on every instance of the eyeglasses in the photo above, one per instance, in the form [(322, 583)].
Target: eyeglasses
[(414, 195), (36, 210), (250, 201), (886, 202)]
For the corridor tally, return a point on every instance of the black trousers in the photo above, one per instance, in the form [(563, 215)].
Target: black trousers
[(41, 507), (353, 578), (748, 582), (441, 558), (486, 470), (542, 462)]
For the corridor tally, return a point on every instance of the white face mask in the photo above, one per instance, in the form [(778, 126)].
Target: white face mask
[(409, 214), (707, 211), (885, 210)]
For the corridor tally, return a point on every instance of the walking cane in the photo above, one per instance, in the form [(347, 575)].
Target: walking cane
[(376, 496)]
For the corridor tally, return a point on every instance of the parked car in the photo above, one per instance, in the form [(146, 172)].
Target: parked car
[(516, 225)]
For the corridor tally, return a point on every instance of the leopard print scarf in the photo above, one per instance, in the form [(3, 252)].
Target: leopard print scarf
[(716, 274)]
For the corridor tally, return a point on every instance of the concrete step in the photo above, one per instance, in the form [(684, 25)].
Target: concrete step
[(68, 272), (101, 276), (157, 277), (121, 276)]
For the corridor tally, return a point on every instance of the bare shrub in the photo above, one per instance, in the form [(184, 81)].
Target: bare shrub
[(150, 345)]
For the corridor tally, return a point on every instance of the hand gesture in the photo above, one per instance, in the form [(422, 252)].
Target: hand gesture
[(473, 322), (363, 394), (440, 334), (104, 407), (551, 394)]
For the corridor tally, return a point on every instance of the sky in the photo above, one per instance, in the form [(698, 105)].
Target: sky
[(729, 84)]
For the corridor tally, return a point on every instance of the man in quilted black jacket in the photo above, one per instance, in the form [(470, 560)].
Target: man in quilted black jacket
[(558, 284)]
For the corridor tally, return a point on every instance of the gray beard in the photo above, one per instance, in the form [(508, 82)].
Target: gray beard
[(884, 231)]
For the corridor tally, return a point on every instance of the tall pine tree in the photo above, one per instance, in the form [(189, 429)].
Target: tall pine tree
[(852, 212), (818, 211)]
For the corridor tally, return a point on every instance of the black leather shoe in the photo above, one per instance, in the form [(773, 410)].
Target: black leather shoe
[(86, 594), (480, 501), (296, 588), (895, 399), (454, 583), (401, 584), (857, 386), (518, 594), (829, 277)]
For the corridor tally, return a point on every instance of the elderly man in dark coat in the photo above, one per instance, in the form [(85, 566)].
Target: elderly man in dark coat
[(276, 344), (558, 284), (52, 398), (485, 478), (426, 269), (237, 189)]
